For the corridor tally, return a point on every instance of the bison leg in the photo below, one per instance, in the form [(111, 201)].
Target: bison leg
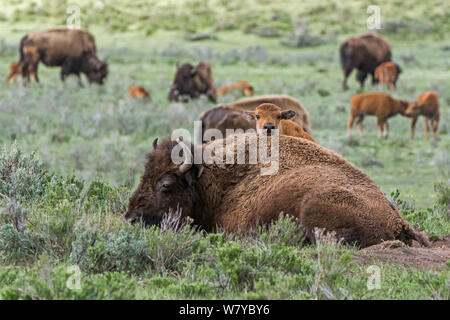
[(435, 123), (380, 127), (80, 83), (346, 75), (361, 77), (413, 126), (427, 128), (350, 125), (386, 129), (34, 71), (359, 125), (337, 210)]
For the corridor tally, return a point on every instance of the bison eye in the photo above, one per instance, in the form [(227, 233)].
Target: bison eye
[(165, 185), (257, 116), (279, 117)]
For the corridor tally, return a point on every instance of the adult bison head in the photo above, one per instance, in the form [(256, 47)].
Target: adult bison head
[(95, 69), (165, 185)]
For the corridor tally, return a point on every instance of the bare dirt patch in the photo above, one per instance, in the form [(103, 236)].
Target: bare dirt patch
[(397, 252)]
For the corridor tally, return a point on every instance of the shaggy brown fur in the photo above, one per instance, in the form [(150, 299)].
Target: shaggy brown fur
[(379, 104), (269, 117), (387, 74), (193, 81), (71, 49), (246, 88), (138, 92), (364, 53), (426, 105), (223, 118), (313, 184), (234, 116)]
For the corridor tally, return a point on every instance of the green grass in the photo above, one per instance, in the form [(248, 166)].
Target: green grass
[(92, 143)]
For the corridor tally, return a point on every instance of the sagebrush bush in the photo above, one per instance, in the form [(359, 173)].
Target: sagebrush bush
[(17, 243), (96, 250), (22, 175)]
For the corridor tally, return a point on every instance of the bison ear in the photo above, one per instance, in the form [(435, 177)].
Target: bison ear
[(289, 114), (250, 115), (155, 143)]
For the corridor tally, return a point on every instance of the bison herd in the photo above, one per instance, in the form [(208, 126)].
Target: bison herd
[(313, 184)]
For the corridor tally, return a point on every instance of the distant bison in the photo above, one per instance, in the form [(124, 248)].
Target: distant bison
[(233, 116), (138, 92), (72, 50), (244, 86), (379, 104), (426, 105), (313, 184), (193, 81), (387, 74), (270, 117), (364, 53)]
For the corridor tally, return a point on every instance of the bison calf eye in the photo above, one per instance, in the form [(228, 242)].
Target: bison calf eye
[(257, 116)]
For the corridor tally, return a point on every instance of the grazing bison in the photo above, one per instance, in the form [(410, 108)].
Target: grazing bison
[(313, 184), (426, 105), (72, 50), (363, 53), (379, 104), (138, 92), (246, 88), (193, 81), (270, 117), (387, 74), (234, 116)]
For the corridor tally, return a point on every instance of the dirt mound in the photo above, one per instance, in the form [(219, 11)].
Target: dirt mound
[(397, 252)]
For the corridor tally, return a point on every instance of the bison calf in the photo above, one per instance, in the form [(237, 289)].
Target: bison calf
[(426, 105), (138, 92), (382, 105), (387, 74), (246, 88), (270, 117)]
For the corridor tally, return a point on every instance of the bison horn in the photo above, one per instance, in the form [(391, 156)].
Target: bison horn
[(187, 164), (194, 71), (155, 143)]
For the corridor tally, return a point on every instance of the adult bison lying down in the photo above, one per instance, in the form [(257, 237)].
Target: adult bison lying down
[(313, 184), (72, 50)]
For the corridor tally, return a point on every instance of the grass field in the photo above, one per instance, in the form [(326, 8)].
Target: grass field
[(62, 205)]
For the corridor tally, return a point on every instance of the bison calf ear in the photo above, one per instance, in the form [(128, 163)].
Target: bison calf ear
[(289, 114), (250, 115)]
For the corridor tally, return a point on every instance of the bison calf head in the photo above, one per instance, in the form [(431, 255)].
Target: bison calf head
[(165, 186), (268, 117), (402, 107)]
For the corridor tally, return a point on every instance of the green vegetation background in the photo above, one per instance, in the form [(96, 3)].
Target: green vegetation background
[(64, 203)]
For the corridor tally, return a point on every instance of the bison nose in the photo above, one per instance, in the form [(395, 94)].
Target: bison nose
[(269, 127), (131, 217)]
